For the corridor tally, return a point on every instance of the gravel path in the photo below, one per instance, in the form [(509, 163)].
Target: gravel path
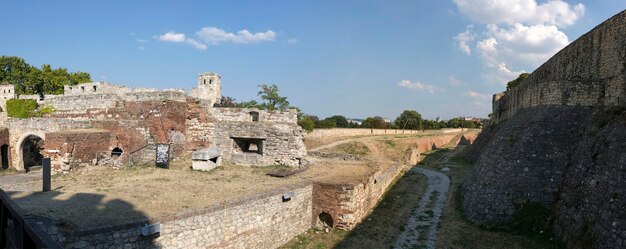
[(21, 182), (420, 230)]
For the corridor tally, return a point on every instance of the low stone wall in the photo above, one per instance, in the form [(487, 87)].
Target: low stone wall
[(245, 115), (266, 220), (350, 132), (349, 204)]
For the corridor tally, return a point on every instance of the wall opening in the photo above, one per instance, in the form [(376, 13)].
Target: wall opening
[(31, 151), (95, 88), (82, 88), (326, 219), (254, 116), (248, 145), (116, 152), (4, 153), (204, 81)]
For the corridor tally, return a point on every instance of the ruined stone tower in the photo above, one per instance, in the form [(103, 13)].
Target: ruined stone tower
[(210, 87)]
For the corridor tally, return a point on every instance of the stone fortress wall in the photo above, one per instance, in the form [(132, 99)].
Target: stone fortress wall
[(264, 220), (558, 140), (588, 72), (138, 119)]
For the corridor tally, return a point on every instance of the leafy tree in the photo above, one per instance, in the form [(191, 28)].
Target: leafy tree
[(274, 101), (340, 121), (307, 123), (326, 123), (28, 79), (515, 82), (409, 119), (374, 122)]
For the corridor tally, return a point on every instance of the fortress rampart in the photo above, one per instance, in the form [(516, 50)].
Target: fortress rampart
[(557, 141), (588, 72)]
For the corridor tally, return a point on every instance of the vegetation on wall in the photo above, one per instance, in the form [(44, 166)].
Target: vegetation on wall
[(515, 82), (29, 79), (21, 108)]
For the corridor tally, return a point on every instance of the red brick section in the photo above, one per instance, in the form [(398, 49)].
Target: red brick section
[(328, 198), (82, 145), (126, 122)]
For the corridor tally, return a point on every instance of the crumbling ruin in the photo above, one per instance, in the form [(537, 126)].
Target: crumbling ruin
[(100, 122)]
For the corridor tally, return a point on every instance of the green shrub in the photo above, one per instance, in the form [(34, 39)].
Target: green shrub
[(44, 110), (21, 108)]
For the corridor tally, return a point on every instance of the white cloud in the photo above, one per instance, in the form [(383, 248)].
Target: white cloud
[(554, 12), (416, 85), (214, 36), (518, 33), (464, 38), (292, 40), (171, 37), (454, 81), (476, 95), (197, 44), (141, 48)]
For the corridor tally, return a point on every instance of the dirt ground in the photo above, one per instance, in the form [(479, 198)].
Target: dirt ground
[(94, 196)]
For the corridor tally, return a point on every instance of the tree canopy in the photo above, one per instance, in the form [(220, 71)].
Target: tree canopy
[(273, 100), (409, 119), (29, 79), (375, 122)]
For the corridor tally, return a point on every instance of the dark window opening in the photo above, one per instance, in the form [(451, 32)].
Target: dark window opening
[(116, 152), (326, 219), (214, 160), (31, 151), (4, 152), (82, 88), (210, 81), (204, 81), (248, 145), (254, 116), (94, 88)]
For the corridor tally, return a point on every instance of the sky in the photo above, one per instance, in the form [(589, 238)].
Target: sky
[(357, 58)]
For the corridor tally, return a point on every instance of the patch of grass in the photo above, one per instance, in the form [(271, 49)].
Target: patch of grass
[(8, 171), (354, 148), (390, 143)]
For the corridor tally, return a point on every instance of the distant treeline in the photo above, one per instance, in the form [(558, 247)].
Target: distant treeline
[(29, 79), (409, 119)]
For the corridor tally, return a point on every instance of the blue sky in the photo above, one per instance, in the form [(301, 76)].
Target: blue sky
[(353, 58)]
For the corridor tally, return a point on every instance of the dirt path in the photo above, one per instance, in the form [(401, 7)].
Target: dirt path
[(333, 144), (23, 182), (421, 227)]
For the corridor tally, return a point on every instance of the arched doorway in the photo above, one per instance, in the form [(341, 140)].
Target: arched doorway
[(31, 148), (4, 153)]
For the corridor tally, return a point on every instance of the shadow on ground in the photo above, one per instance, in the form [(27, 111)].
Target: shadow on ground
[(50, 210)]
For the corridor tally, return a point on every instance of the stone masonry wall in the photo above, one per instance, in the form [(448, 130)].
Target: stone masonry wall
[(281, 137), (350, 132), (262, 221), (243, 115), (591, 71)]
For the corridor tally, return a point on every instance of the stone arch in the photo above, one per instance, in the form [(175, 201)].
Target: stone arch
[(19, 149)]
